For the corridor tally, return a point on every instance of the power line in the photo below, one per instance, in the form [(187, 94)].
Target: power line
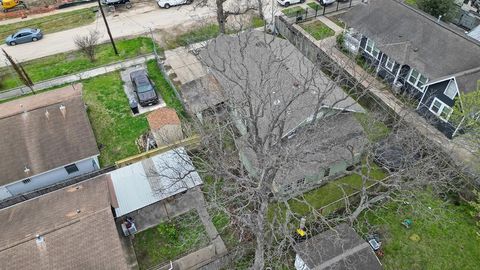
[(108, 28)]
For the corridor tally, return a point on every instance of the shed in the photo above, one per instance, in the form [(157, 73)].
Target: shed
[(165, 126)]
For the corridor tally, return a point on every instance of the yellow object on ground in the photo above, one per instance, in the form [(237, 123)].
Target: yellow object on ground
[(301, 232), (9, 4)]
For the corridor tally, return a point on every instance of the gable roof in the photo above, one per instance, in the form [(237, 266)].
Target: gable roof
[(337, 248), (275, 72), (85, 239), (43, 132), (414, 38)]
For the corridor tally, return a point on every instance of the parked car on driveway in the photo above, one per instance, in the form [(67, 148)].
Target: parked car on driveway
[(287, 3), (23, 36), (171, 3), (143, 87)]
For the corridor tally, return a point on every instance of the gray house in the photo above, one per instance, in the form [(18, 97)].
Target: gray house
[(418, 55), (337, 248), (45, 139), (276, 72)]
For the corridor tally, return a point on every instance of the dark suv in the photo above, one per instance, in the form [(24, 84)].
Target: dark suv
[(143, 87)]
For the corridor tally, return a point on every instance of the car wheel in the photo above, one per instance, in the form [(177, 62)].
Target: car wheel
[(287, 4), (302, 1), (13, 43), (34, 39), (189, 2), (167, 6), (128, 5)]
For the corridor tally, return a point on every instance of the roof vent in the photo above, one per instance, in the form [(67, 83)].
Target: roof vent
[(63, 110), (26, 169), (47, 114), (78, 211), (39, 239), (415, 49)]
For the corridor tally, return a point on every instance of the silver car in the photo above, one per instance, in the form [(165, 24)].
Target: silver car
[(23, 36)]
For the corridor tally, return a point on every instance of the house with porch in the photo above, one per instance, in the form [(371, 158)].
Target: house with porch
[(276, 73), (45, 139), (418, 55)]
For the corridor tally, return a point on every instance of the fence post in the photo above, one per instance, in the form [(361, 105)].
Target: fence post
[(338, 3), (316, 10), (350, 4), (324, 10)]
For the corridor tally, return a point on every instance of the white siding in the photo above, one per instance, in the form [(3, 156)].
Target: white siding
[(52, 177), (300, 264)]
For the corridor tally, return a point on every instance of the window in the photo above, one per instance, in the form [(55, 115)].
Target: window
[(389, 64), (440, 109), (26, 181), (326, 172), (71, 168), (370, 48), (416, 79), (451, 90)]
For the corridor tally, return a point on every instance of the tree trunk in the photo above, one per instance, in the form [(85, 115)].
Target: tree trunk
[(259, 262), (220, 16), (260, 9)]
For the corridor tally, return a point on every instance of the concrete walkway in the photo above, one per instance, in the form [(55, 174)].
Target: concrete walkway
[(337, 29), (15, 92)]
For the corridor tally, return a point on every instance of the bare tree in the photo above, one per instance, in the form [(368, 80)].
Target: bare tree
[(285, 120), (88, 43)]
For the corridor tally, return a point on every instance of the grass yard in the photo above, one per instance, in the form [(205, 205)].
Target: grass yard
[(170, 240), (317, 29), (199, 34), (314, 5), (337, 21), (72, 62), (447, 238), (115, 128), (326, 194), (165, 89), (53, 23), (375, 129), (293, 11), (412, 3)]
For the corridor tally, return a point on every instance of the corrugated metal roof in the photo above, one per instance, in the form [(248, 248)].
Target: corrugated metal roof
[(152, 180)]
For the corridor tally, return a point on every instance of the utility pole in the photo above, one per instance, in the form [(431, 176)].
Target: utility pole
[(22, 74), (108, 28)]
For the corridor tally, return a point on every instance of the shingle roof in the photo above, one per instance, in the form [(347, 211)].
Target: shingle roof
[(201, 94), (338, 248), (87, 239), (162, 117), (43, 132), (414, 38)]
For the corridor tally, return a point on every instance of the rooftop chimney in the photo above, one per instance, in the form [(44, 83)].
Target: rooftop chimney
[(63, 110)]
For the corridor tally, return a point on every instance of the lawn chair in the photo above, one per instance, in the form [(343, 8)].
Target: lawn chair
[(407, 223)]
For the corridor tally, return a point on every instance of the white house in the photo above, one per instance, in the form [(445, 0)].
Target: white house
[(45, 139)]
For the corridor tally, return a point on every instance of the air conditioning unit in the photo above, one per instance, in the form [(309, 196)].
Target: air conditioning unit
[(397, 87)]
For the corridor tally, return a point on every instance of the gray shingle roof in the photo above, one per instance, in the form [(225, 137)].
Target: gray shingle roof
[(338, 248), (71, 240), (38, 134), (414, 38)]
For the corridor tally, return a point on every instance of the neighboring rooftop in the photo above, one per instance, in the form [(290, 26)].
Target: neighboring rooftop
[(338, 248), (264, 71), (146, 182), (201, 94), (414, 38), (75, 227), (162, 117), (43, 132)]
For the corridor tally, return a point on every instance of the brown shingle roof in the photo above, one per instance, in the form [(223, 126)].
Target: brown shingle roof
[(43, 132), (162, 117), (71, 240)]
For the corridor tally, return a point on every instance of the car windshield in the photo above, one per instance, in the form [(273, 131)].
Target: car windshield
[(144, 88)]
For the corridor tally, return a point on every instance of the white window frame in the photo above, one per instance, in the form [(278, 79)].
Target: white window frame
[(389, 64), (451, 83), (417, 80), (440, 110), (373, 49)]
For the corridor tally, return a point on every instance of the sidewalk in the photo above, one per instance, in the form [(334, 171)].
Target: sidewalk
[(58, 81)]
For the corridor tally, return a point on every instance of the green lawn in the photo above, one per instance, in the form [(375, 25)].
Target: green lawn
[(165, 89), (317, 29), (374, 128), (170, 240), (115, 128), (411, 2), (314, 5), (68, 63), (446, 231), (52, 23), (337, 21), (326, 194), (198, 34), (293, 11)]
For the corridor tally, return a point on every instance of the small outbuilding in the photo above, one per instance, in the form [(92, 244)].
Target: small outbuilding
[(338, 248), (165, 126)]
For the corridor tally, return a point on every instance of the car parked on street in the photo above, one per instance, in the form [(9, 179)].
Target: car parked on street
[(171, 3), (143, 87), (326, 2), (287, 3), (23, 36)]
